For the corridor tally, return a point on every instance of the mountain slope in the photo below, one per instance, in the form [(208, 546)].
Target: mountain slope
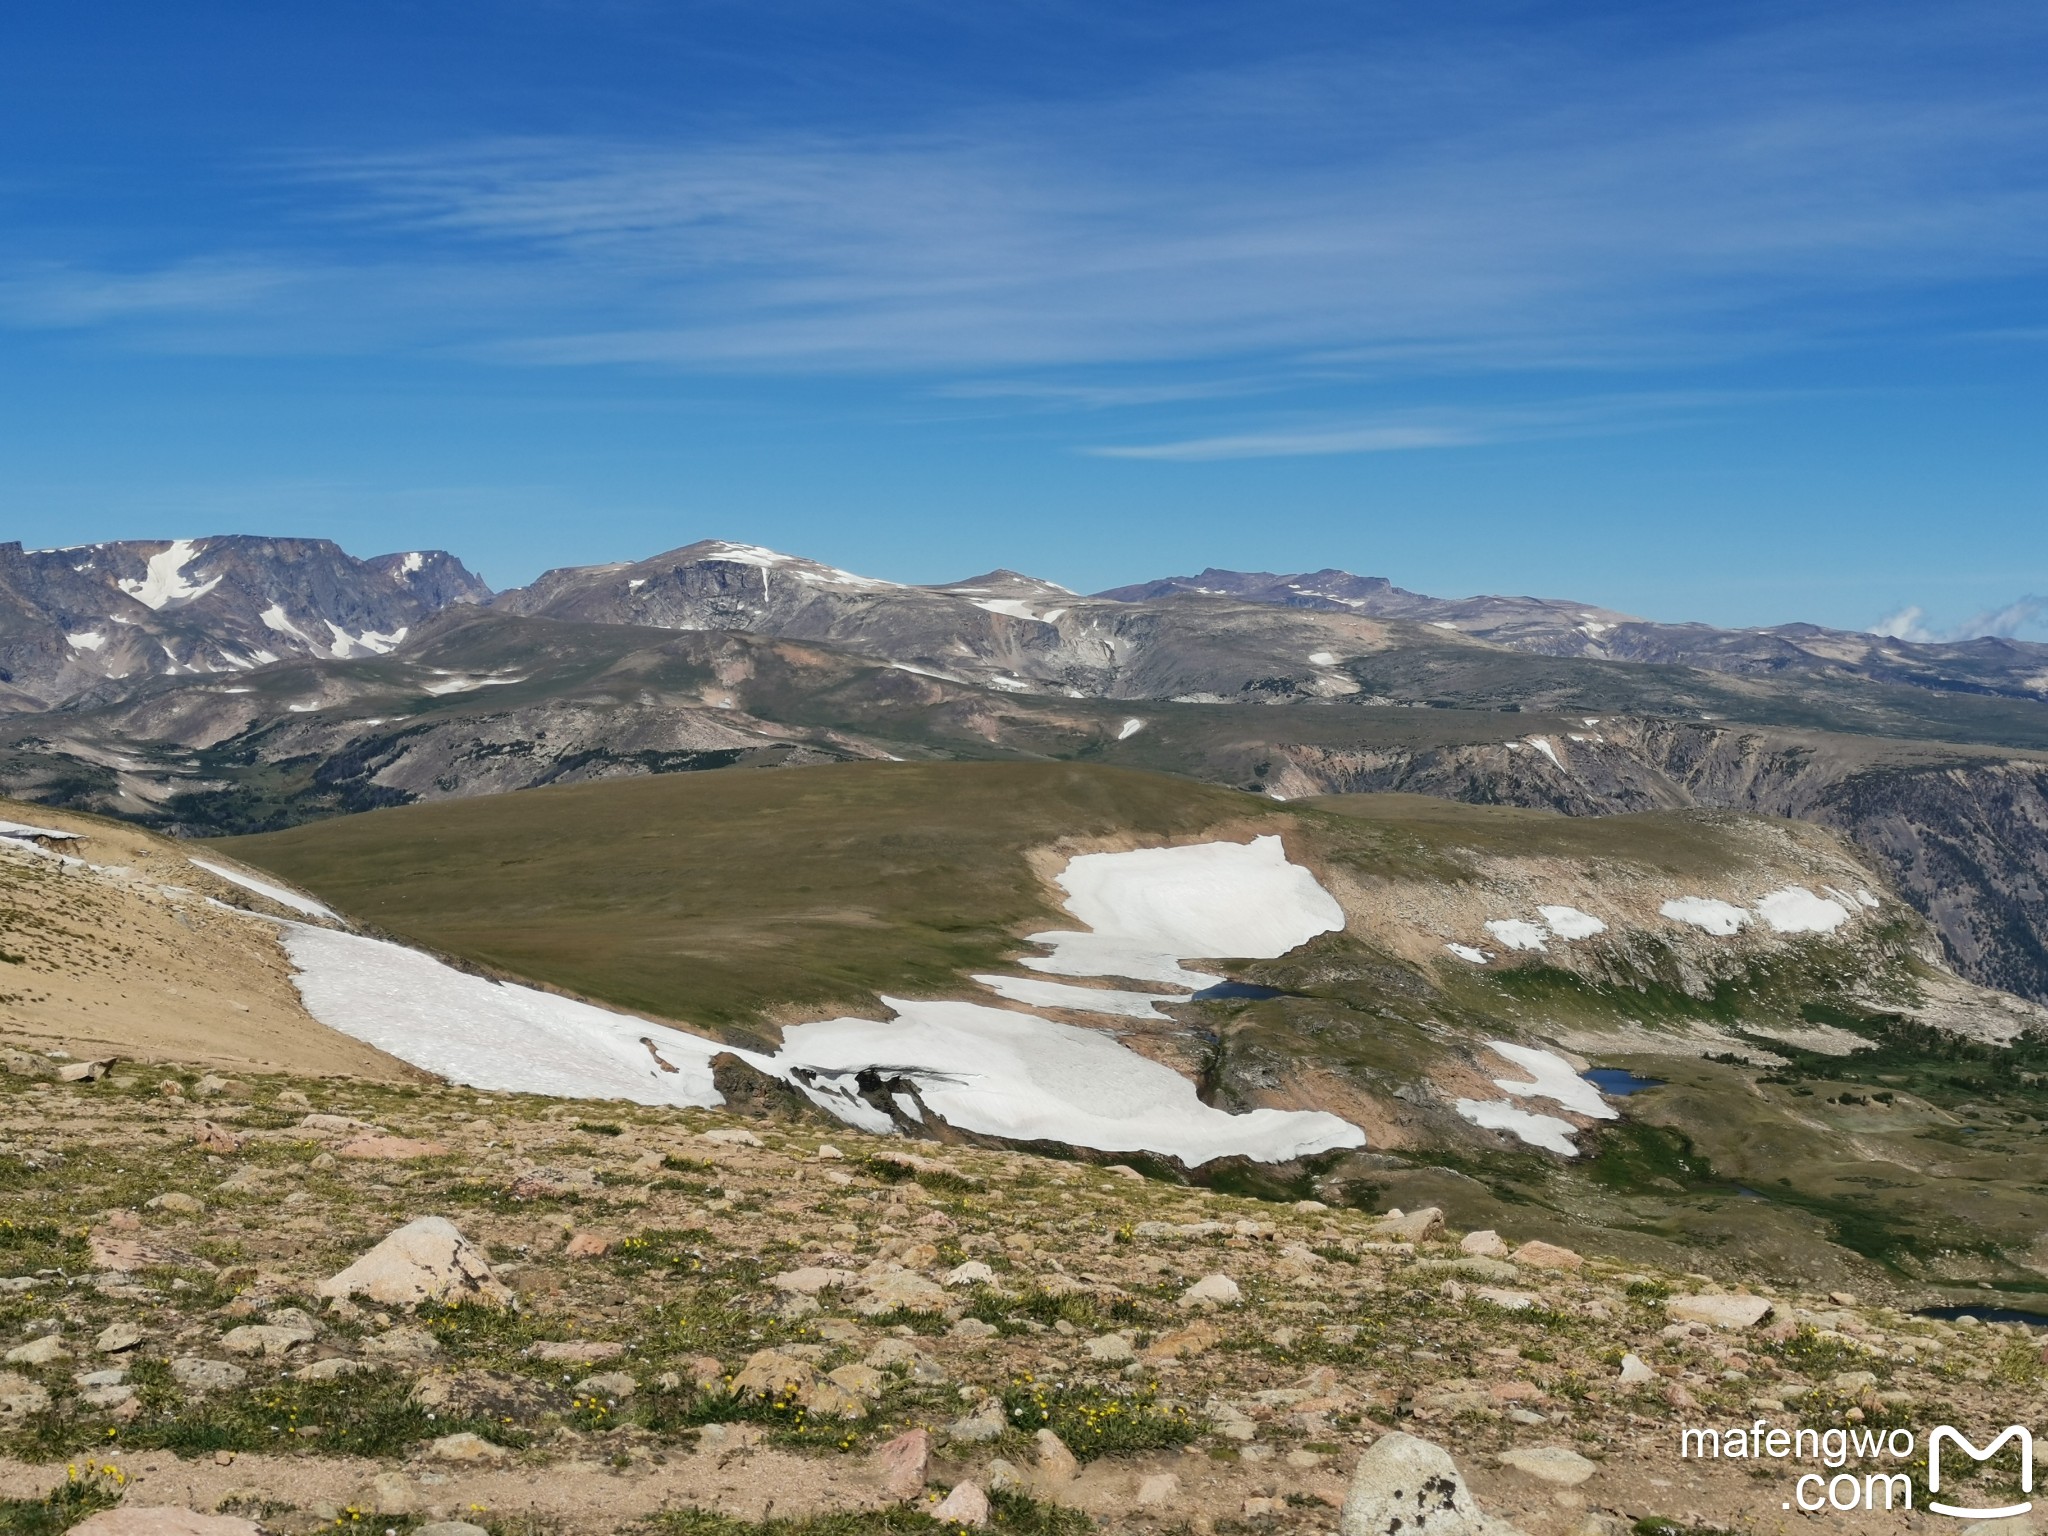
[(1551, 627), (758, 904), (72, 620)]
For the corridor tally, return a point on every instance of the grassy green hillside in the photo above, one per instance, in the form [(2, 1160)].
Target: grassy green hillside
[(741, 899), (721, 897)]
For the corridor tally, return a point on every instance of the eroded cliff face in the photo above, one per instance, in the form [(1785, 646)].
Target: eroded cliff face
[(1962, 833)]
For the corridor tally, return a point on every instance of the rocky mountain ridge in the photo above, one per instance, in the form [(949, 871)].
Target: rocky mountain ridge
[(1552, 627), (74, 621)]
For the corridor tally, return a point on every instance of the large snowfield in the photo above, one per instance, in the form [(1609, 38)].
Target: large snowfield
[(996, 1071)]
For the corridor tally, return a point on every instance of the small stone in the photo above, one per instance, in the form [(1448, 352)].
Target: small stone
[(1195, 1339), (86, 1071), (1551, 1464), (19, 1396), (47, 1350), (1304, 1460), (1842, 1298), (1161, 1488), (1486, 1244), (389, 1149), (861, 1380), (973, 1328), (393, 1493), (827, 1153), (965, 1505), (1547, 1256), (413, 1346), (424, 1260), (900, 1290), (616, 1385), (1111, 1348), (811, 1279), (264, 1339), (176, 1202), (1855, 1382), (1411, 1227), (103, 1398), (450, 1528), (731, 1136), (163, 1520), (1720, 1311), (973, 1272), (1004, 1478), (217, 1139), (465, 1447), (587, 1245), (197, 1374), (1507, 1301), (1057, 1465), (985, 1423), (117, 1337), (1634, 1373), (903, 1464), (1401, 1478), (581, 1351), (1212, 1291)]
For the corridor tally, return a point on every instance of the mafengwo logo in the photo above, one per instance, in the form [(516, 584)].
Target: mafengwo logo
[(1840, 1489), (1944, 1435)]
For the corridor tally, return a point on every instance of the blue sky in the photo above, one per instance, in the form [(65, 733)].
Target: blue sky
[(1726, 312)]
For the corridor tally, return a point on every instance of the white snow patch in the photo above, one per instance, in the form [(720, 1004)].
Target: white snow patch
[(1015, 608), (23, 829), (88, 640), (1550, 1077), (1795, 909), (492, 1035), (984, 1069), (1542, 744), (1517, 934), (636, 583), (1019, 1076), (944, 677), (412, 563), (1152, 907), (1545, 1131), (303, 709), (163, 583), (348, 647), (463, 684), (1718, 917), (1571, 923), (276, 893), (1441, 624), (275, 618), (1322, 658), (1034, 993), (1467, 952), (1589, 721), (1865, 897), (1129, 729), (1009, 684)]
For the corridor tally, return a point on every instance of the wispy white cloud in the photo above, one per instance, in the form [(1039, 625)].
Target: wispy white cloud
[(1429, 206), (1275, 445)]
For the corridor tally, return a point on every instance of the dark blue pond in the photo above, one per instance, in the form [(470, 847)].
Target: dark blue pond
[(1224, 989), (1986, 1315), (1617, 1081)]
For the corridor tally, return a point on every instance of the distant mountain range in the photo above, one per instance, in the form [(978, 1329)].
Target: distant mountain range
[(242, 684), (73, 621)]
